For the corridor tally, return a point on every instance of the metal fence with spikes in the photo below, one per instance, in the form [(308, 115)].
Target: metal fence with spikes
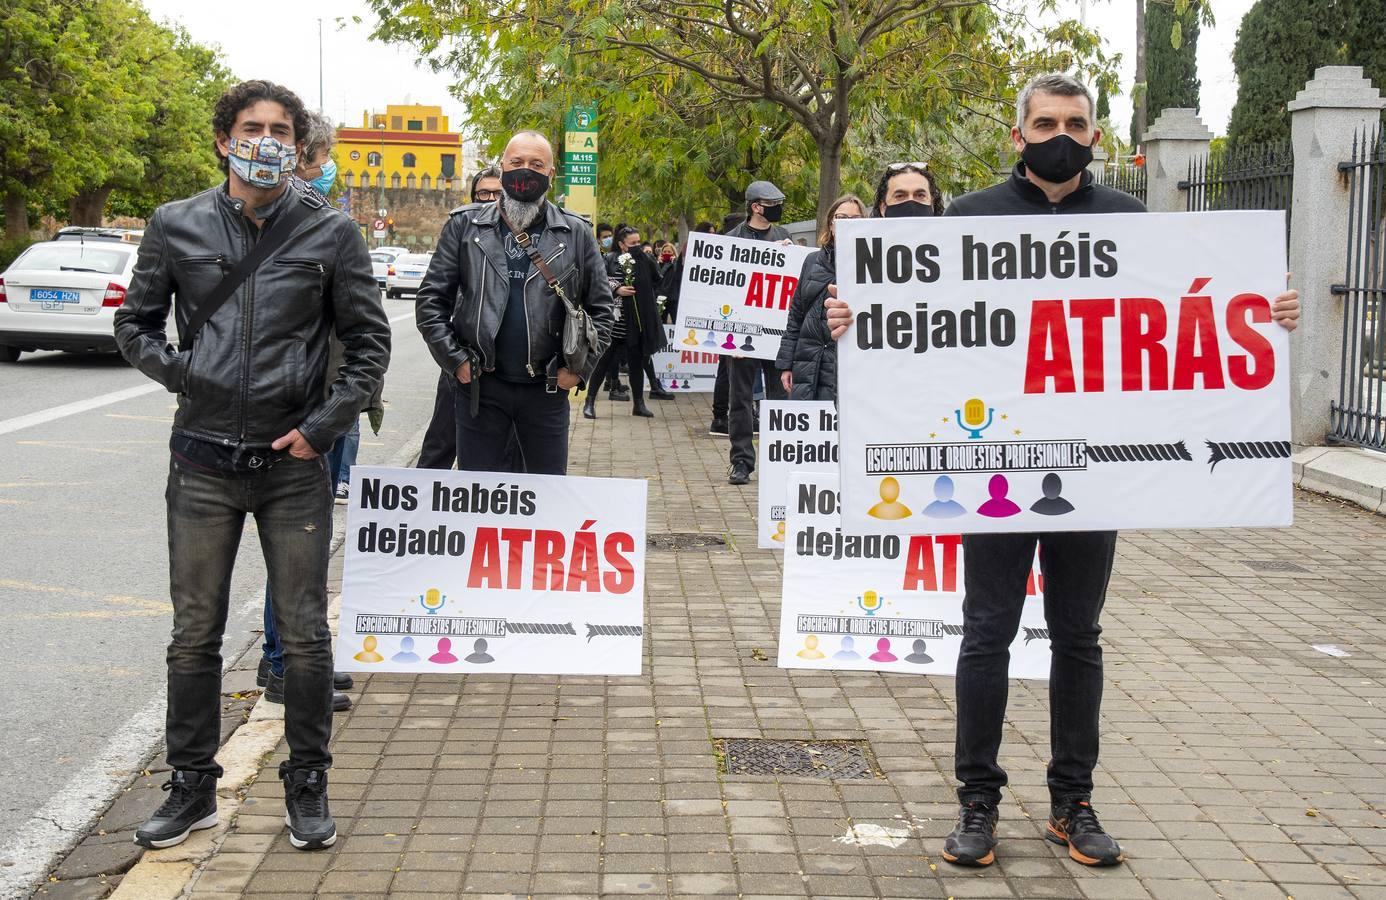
[(1251, 176)]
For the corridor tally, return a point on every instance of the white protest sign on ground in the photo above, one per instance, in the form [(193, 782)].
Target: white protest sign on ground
[(1064, 373), (736, 293), (453, 572), (887, 602), (686, 367), (795, 436)]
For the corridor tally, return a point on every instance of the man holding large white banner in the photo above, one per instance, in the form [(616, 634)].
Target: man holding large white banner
[(1052, 449)]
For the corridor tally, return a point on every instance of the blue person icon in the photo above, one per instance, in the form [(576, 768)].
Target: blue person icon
[(970, 418)]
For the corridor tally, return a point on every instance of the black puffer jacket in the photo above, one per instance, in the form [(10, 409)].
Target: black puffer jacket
[(259, 367), (807, 348)]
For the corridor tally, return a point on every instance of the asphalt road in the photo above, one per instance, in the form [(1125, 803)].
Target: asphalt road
[(84, 610)]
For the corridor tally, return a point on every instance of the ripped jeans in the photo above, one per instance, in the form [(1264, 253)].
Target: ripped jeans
[(292, 506)]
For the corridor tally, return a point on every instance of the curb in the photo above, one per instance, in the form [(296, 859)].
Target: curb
[(1347, 473), (168, 874)]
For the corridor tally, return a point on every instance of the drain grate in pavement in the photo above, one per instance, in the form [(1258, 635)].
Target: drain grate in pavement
[(800, 759), (684, 540), (1273, 565)]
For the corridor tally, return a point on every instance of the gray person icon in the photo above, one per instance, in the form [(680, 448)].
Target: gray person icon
[(919, 656), (944, 506), (479, 654), (747, 345), (1051, 504), (847, 651), (406, 652)]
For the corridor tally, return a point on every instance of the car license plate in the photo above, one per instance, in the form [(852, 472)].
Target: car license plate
[(47, 295), (413, 274)]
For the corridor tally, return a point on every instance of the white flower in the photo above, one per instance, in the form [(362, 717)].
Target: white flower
[(625, 259)]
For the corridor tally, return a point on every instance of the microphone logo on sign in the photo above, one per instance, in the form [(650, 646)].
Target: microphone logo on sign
[(974, 418)]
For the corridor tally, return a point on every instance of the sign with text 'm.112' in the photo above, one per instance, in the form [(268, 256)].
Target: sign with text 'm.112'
[(888, 602), (456, 572), (795, 436), (736, 292), (1064, 373)]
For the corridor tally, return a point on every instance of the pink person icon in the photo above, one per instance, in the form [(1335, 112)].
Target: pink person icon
[(444, 654), (883, 653), (999, 506)]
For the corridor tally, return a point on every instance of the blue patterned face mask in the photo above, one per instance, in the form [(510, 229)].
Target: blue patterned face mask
[(263, 163), (323, 183)]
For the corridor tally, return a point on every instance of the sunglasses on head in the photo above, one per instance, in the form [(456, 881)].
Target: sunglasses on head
[(896, 167)]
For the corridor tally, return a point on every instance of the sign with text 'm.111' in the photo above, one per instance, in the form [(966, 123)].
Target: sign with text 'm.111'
[(887, 602), (456, 572), (1064, 373), (735, 295)]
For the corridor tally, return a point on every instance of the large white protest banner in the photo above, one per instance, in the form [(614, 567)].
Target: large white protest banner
[(1062, 373), (736, 293), (795, 436), (686, 367), (455, 572), (888, 602)]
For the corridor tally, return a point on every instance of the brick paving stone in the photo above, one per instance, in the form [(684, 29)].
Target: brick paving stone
[(1221, 729)]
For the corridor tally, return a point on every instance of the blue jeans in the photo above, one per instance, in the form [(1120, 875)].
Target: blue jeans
[(292, 506), (340, 459)]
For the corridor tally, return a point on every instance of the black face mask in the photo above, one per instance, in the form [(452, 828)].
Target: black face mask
[(1056, 160), (525, 185), (909, 209), (772, 213)]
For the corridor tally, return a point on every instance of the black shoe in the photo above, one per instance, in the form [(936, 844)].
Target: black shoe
[(191, 806), (718, 427), (262, 672), (640, 409), (311, 826), (618, 396), (1074, 824), (589, 409), (274, 693), (738, 474), (342, 681), (973, 841), (659, 393)]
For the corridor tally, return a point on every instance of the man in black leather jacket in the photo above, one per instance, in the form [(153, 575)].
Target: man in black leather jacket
[(258, 405), (490, 318)]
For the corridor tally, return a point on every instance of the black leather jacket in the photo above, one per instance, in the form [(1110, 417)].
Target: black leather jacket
[(259, 368), (463, 297)]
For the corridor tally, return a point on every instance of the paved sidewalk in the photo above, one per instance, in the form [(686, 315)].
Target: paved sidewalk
[(1238, 760)]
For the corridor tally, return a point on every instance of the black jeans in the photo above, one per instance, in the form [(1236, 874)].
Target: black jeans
[(741, 419), (440, 440), (721, 389), (292, 506), (608, 370), (1076, 567), (538, 419)]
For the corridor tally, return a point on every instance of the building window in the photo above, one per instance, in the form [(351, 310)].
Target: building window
[(424, 182), (394, 180), (432, 123), (449, 165), (411, 182), (396, 123), (415, 125), (373, 159), (409, 161)]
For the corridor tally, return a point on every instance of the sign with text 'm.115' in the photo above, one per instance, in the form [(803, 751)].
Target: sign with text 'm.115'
[(795, 436), (735, 295), (686, 367), (888, 602), (1064, 373), (456, 572)]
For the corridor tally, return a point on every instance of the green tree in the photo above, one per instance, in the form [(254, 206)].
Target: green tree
[(1171, 58), (1279, 45), (811, 63)]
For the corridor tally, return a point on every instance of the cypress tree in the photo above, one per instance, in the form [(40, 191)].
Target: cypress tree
[(1279, 45), (1171, 72)]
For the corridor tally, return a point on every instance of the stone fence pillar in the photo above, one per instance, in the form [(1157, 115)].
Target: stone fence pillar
[(1177, 137)]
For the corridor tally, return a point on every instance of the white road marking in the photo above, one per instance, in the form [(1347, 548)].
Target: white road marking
[(71, 409)]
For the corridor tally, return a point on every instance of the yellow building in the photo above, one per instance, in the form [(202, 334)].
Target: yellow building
[(407, 146)]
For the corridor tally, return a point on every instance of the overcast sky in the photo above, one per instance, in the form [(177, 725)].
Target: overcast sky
[(359, 73)]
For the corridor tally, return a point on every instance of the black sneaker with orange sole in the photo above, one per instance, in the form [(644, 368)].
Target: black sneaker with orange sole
[(973, 841), (1073, 824)]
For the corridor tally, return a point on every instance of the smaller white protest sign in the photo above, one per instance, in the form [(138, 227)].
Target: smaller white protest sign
[(736, 293), (795, 436), (884, 602), (686, 367), (453, 572)]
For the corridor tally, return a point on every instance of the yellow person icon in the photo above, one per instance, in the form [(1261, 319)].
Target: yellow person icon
[(890, 508)]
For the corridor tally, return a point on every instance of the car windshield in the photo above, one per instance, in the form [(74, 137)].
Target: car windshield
[(75, 257)]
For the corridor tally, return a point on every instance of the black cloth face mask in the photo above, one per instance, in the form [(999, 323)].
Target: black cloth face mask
[(909, 209), (525, 185), (1056, 160), (772, 213)]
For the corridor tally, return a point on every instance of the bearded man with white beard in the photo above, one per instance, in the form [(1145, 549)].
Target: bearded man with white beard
[(496, 325)]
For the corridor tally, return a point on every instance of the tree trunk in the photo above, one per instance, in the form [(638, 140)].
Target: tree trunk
[(1138, 107), (16, 215), (89, 207), (829, 172)]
